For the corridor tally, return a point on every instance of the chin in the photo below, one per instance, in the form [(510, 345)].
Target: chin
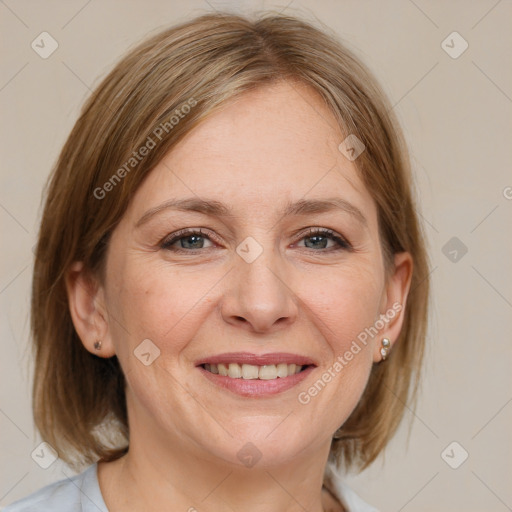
[(270, 443)]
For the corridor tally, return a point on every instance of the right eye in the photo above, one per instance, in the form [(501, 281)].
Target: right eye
[(190, 240)]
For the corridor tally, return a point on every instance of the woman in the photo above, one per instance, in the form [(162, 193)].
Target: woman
[(230, 287)]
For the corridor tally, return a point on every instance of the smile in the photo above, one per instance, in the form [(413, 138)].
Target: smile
[(255, 375), (254, 372)]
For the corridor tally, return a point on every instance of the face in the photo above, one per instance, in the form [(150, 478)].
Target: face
[(269, 288)]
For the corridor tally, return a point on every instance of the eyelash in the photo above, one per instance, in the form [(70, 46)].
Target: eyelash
[(343, 244)]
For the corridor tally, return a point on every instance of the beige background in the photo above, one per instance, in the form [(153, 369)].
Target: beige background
[(457, 117)]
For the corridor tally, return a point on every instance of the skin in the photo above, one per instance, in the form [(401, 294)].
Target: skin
[(271, 145)]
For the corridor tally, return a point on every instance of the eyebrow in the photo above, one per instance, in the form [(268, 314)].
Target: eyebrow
[(218, 209)]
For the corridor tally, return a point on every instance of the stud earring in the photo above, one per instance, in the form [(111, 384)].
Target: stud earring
[(97, 345), (385, 348)]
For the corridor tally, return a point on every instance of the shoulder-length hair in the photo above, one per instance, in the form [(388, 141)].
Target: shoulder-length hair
[(188, 72)]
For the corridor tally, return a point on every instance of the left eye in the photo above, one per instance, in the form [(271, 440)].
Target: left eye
[(320, 238)]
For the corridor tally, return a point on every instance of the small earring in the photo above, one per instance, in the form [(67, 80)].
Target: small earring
[(385, 348), (97, 345)]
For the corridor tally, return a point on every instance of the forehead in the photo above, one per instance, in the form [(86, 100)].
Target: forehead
[(275, 144)]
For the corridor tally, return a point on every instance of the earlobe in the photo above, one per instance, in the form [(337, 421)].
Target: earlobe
[(397, 290), (88, 311)]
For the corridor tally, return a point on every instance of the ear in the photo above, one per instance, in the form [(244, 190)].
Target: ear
[(86, 298), (394, 302)]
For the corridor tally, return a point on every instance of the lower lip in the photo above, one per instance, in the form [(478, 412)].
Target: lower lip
[(256, 387)]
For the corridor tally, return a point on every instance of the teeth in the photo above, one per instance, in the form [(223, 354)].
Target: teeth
[(282, 370), (249, 371), (234, 371), (252, 372), (268, 372)]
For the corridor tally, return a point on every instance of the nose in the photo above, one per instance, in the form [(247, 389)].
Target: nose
[(259, 295)]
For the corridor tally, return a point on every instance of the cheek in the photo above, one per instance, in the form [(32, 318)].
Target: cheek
[(166, 307), (345, 303), (342, 309), (356, 297), (159, 304)]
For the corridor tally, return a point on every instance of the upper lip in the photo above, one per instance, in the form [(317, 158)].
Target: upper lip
[(256, 359)]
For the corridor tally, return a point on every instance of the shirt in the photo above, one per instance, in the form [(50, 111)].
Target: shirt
[(81, 493)]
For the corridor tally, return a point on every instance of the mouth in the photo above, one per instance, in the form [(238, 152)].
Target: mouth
[(253, 375), (254, 372)]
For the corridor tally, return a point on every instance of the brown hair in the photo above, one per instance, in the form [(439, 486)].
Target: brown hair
[(203, 63)]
